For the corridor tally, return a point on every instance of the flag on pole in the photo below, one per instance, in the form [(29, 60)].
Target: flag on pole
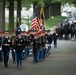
[(35, 25), (42, 18), (17, 24), (18, 29)]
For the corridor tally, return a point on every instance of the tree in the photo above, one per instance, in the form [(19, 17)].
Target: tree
[(2, 14), (11, 15), (19, 10)]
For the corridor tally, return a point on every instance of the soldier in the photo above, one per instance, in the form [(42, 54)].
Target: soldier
[(24, 54), (46, 43), (72, 30), (55, 39), (40, 47), (36, 49), (31, 39), (12, 46), (43, 42), (6, 48), (66, 30), (31, 35), (28, 42), (49, 41), (19, 47)]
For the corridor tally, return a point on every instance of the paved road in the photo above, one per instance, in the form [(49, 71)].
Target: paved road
[(62, 61)]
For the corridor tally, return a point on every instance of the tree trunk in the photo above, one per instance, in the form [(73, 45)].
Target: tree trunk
[(59, 10), (54, 10), (46, 11), (11, 15), (19, 10), (51, 10), (2, 15)]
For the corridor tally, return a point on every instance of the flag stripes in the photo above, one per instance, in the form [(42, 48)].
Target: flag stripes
[(35, 24)]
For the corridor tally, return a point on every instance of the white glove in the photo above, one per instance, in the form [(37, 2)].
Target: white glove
[(0, 49), (14, 50), (23, 50)]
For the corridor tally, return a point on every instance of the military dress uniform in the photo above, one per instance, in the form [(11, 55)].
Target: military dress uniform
[(72, 30), (40, 49), (24, 54), (43, 42), (55, 39), (46, 43), (6, 49), (19, 47), (36, 47), (49, 43), (28, 42), (13, 48)]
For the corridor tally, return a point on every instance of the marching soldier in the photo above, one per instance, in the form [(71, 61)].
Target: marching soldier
[(36, 49), (12, 47), (49, 41), (6, 48), (46, 42), (66, 30), (43, 41), (40, 48), (72, 30), (24, 54), (28, 42), (19, 47), (55, 39)]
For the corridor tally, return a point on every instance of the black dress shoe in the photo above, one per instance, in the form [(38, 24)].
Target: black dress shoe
[(7, 65)]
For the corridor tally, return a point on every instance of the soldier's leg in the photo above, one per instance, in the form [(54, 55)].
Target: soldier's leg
[(17, 59), (55, 43), (37, 56), (28, 51), (7, 57), (20, 59), (1, 56), (13, 55), (40, 54), (49, 49), (4, 55), (44, 53), (33, 55)]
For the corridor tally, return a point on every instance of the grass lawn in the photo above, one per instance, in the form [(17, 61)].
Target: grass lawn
[(51, 22)]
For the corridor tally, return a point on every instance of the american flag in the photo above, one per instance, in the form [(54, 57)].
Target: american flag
[(35, 25)]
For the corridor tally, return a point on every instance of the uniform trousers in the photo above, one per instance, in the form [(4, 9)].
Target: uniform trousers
[(19, 59), (35, 56), (6, 58)]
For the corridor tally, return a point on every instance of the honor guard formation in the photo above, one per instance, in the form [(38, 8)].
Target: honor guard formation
[(34, 43), (22, 44)]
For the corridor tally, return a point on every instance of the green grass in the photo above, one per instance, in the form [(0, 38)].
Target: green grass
[(51, 22), (7, 25)]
